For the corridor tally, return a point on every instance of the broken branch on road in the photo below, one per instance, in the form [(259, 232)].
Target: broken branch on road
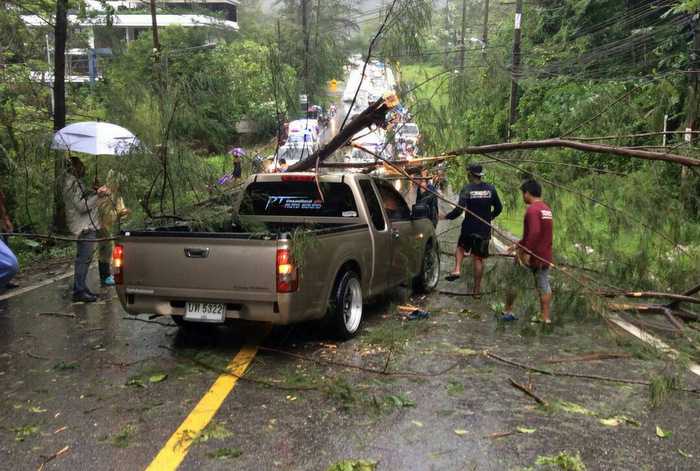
[(357, 367), (58, 314), (47, 459), (596, 356), (528, 391), (147, 321), (493, 356)]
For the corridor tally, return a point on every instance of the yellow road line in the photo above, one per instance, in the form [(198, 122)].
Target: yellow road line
[(177, 447)]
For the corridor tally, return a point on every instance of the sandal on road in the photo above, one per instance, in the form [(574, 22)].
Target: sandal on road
[(508, 317), (452, 277)]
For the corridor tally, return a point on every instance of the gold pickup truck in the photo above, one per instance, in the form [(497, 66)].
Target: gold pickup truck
[(291, 253)]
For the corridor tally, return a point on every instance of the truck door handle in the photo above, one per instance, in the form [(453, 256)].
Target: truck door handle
[(196, 252), (395, 234)]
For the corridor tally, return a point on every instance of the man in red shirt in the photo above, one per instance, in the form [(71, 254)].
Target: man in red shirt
[(534, 251)]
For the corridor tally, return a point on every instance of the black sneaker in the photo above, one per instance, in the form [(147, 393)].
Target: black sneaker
[(84, 298)]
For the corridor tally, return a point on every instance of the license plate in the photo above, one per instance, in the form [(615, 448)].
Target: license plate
[(205, 312)]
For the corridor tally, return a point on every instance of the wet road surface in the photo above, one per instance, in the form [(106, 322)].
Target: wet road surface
[(407, 394)]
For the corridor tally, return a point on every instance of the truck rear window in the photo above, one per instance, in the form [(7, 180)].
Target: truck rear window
[(298, 199)]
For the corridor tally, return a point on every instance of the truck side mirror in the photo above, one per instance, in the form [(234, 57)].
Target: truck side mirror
[(419, 211)]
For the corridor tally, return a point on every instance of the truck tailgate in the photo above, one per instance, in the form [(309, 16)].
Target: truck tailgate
[(201, 267)]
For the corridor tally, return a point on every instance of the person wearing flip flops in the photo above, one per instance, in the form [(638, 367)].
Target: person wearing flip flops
[(537, 239), (481, 199)]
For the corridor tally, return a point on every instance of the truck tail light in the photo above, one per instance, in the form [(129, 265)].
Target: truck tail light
[(287, 273), (118, 262)]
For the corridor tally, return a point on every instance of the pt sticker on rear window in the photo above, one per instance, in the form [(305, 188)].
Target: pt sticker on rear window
[(292, 202)]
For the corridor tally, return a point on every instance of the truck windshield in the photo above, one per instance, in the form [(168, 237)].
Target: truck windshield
[(298, 199)]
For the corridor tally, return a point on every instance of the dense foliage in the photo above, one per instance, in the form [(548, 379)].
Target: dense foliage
[(592, 69), (184, 103)]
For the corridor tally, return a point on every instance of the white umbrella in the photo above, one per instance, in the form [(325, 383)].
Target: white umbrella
[(95, 138)]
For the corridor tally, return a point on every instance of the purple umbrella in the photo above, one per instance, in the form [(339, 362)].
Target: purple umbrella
[(237, 151)]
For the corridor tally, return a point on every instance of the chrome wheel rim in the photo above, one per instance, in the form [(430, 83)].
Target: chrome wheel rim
[(352, 305), (431, 275)]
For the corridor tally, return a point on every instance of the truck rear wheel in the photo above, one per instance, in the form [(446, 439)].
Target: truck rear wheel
[(345, 310), (427, 280)]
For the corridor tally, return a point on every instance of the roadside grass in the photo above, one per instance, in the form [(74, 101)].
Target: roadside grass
[(413, 74), (29, 251)]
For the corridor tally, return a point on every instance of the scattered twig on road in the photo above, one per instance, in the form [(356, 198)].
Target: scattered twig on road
[(528, 391), (496, 435), (451, 293), (388, 359), (38, 357), (493, 356), (148, 322), (53, 457), (590, 357), (58, 314), (223, 371), (357, 367)]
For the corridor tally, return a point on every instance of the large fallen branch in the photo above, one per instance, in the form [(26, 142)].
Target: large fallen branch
[(582, 146), (375, 115), (652, 295), (689, 292), (649, 308), (542, 371)]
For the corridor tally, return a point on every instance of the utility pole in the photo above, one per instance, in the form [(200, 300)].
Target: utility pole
[(305, 32), (515, 70), (59, 108), (692, 103), (154, 27), (447, 33), (485, 32), (464, 31), (59, 75)]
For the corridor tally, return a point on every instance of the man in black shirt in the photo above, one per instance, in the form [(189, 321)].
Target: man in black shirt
[(425, 194), (481, 199)]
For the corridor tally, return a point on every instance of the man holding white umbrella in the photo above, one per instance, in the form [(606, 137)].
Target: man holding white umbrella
[(80, 200), (83, 221)]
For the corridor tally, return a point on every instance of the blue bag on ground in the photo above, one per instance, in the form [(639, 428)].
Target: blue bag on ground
[(8, 264)]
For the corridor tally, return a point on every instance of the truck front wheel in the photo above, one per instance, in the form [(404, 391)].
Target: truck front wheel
[(429, 275), (345, 310)]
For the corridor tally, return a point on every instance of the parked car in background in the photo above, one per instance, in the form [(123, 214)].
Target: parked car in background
[(408, 132)]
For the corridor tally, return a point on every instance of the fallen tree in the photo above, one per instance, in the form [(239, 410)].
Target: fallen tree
[(582, 146), (373, 115)]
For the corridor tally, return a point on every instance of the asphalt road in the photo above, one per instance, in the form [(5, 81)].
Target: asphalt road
[(110, 391)]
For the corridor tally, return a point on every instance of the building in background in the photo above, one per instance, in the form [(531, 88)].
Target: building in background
[(105, 26)]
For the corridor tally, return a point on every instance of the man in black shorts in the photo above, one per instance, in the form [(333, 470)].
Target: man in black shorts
[(481, 199)]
